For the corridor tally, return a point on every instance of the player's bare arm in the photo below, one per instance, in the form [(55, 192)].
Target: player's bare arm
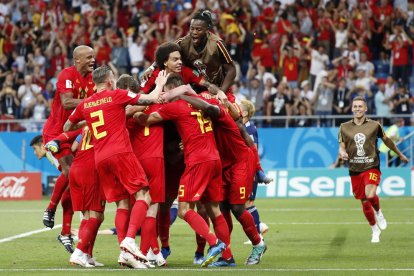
[(146, 120), (209, 110), (68, 126), (342, 152), (131, 110), (154, 96), (230, 75), (390, 144), (68, 102)]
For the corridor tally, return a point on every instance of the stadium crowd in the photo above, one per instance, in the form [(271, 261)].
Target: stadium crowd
[(293, 57)]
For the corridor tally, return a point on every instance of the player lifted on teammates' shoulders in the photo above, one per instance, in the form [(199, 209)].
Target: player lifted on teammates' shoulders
[(358, 145), (119, 172)]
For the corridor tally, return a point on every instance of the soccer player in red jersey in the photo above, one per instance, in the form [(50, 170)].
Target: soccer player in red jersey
[(73, 85), (85, 192), (238, 173), (147, 144), (119, 172), (201, 180), (87, 198)]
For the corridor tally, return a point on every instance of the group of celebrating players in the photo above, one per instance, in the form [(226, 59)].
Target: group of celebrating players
[(143, 145)]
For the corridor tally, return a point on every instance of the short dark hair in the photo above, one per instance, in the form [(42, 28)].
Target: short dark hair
[(100, 74), (204, 15), (174, 80), (126, 81), (163, 52), (36, 140)]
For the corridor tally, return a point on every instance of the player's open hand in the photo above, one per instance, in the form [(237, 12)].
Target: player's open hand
[(162, 78)]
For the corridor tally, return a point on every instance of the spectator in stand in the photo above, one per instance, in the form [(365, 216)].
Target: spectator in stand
[(323, 100), (120, 55), (383, 104), (279, 104), (352, 53), (319, 60), (235, 88), (341, 104), (402, 103), (301, 106), (136, 49), (289, 62), (27, 93), (341, 31), (306, 91), (399, 43), (366, 65), (382, 65), (8, 98)]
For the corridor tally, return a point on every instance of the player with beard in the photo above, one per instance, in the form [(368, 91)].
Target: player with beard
[(73, 85)]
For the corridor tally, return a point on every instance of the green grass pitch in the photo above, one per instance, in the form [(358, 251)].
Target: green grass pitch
[(306, 236)]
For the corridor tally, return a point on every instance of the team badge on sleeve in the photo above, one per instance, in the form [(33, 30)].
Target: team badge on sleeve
[(68, 84)]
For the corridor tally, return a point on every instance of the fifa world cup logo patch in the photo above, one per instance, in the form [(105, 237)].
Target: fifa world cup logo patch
[(359, 139), (201, 68)]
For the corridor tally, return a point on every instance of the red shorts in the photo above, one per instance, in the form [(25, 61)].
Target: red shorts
[(238, 180), (85, 190), (173, 175), (372, 176), (154, 170), (65, 147), (121, 175), (201, 182)]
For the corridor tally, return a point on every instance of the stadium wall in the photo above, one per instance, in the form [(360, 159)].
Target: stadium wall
[(297, 159)]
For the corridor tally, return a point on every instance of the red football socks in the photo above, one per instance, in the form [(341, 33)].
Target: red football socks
[(200, 226), (247, 222), (61, 184), (121, 223), (227, 215), (90, 231), (148, 230), (368, 212), (374, 202), (138, 215), (222, 232), (67, 213)]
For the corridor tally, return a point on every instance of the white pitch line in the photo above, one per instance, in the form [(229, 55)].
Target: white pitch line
[(28, 234), (260, 210), (207, 269)]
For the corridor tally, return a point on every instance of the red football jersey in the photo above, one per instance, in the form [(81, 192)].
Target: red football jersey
[(148, 141), (189, 76), (104, 113), (69, 81), (85, 154), (230, 143), (196, 131)]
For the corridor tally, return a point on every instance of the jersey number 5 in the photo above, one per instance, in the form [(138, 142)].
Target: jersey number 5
[(100, 122)]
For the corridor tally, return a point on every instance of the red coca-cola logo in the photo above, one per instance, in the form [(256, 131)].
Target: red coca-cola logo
[(12, 187), (20, 186)]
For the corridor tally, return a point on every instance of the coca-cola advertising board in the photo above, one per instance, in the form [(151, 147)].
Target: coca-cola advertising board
[(20, 186)]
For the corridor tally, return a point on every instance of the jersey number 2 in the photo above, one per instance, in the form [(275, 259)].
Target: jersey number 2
[(100, 122)]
